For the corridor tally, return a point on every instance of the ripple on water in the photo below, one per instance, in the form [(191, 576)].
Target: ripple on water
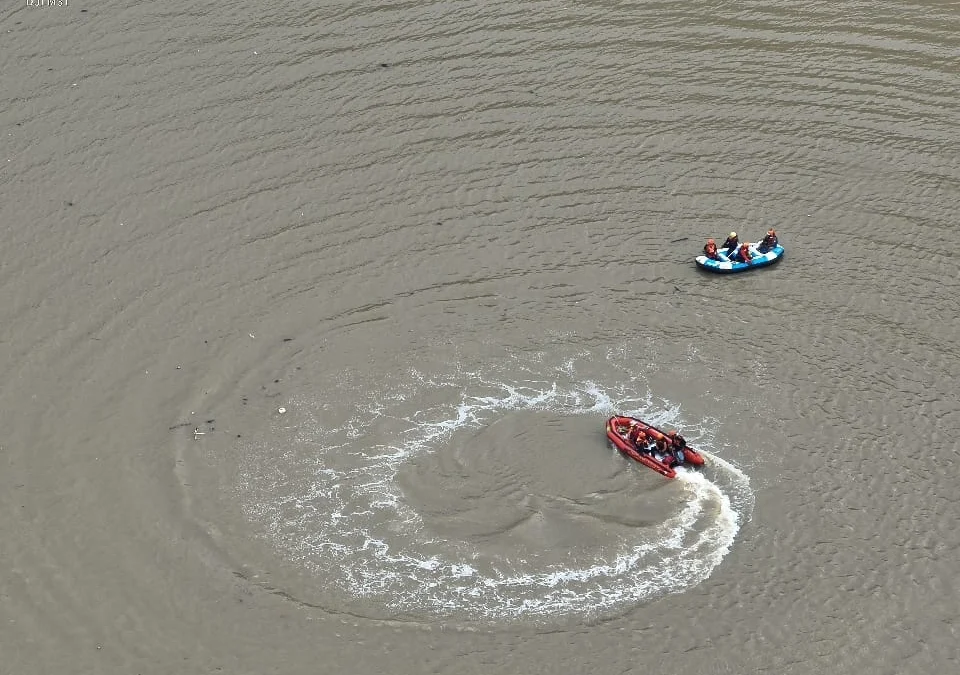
[(475, 496)]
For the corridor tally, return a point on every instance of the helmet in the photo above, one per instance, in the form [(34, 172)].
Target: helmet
[(733, 235), (771, 232)]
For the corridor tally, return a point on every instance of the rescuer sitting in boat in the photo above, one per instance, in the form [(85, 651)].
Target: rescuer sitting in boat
[(769, 242), (710, 250), (677, 445), (638, 437), (659, 441), (730, 243), (657, 445), (743, 255), (642, 440), (652, 442)]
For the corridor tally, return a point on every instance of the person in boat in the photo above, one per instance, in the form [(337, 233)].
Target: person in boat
[(676, 440), (638, 437), (710, 250), (642, 439), (677, 445), (769, 242), (654, 447), (730, 243), (657, 445), (743, 255)]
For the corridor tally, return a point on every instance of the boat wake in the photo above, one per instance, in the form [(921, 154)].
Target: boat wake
[(405, 498)]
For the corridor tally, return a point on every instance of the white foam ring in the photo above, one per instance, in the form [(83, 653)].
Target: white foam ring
[(353, 528)]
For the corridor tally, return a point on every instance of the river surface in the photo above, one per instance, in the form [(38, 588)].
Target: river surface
[(312, 314)]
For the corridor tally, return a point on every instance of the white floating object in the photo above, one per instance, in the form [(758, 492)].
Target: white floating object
[(281, 410)]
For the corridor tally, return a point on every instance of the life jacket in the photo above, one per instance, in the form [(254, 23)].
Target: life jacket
[(658, 438), (744, 253), (731, 243), (710, 250)]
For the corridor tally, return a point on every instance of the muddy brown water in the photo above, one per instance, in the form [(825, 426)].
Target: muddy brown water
[(448, 240)]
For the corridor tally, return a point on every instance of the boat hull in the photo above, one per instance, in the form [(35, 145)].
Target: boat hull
[(618, 422), (727, 266)]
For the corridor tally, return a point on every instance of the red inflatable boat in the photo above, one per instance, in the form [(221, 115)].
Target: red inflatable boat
[(618, 430)]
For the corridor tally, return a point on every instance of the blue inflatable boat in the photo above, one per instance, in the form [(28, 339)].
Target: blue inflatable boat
[(726, 266)]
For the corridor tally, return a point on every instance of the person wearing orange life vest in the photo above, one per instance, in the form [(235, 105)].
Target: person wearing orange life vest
[(658, 444), (710, 250), (637, 436), (641, 438), (743, 255), (642, 441), (769, 242)]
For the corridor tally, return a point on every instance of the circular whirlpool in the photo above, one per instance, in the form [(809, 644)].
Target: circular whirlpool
[(483, 495)]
